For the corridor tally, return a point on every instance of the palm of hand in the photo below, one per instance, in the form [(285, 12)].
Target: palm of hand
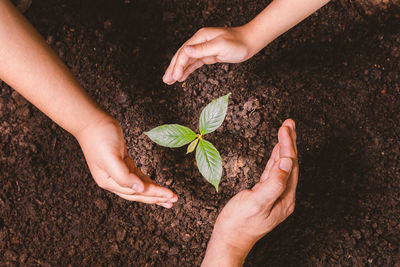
[(252, 213), (113, 170)]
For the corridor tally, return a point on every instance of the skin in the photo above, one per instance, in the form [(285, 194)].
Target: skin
[(29, 66), (49, 85), (237, 44), (253, 213)]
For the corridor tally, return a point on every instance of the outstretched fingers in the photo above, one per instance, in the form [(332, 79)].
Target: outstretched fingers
[(274, 157), (145, 199), (150, 187), (191, 68), (167, 78), (130, 183), (279, 180), (287, 140), (210, 48), (268, 192), (117, 168), (183, 58), (288, 148)]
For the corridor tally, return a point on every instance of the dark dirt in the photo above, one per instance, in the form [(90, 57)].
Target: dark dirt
[(336, 74)]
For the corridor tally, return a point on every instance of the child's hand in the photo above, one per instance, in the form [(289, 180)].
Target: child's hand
[(103, 145), (252, 213), (208, 46)]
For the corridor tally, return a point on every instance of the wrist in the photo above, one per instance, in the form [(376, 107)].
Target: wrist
[(249, 38), (96, 119), (222, 252)]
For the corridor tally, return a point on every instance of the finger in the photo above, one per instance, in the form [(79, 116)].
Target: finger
[(209, 60), (190, 62), (269, 191), (153, 189), (211, 48), (200, 36), (117, 168), (270, 163), (288, 149), (112, 186), (167, 78), (275, 153), (167, 205), (290, 193), (150, 187), (197, 64), (187, 63), (291, 124), (205, 34), (182, 62), (144, 199), (207, 49), (286, 145)]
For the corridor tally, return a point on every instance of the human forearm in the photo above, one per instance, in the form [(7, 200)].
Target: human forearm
[(277, 18), (220, 253), (29, 66)]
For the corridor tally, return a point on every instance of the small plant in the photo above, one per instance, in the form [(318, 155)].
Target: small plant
[(208, 159)]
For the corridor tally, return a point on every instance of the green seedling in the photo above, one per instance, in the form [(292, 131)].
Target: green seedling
[(208, 158)]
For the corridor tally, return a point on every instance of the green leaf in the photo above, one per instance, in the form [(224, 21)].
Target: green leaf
[(192, 146), (209, 162), (171, 135), (213, 114)]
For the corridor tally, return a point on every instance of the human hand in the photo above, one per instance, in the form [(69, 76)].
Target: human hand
[(208, 46), (252, 213), (103, 145)]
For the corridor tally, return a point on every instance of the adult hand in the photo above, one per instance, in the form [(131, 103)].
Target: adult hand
[(253, 213), (208, 46), (103, 145)]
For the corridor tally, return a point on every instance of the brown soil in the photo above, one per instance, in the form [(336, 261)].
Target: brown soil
[(336, 74)]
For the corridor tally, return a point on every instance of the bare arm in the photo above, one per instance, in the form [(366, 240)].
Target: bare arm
[(277, 18), (237, 44), (29, 66)]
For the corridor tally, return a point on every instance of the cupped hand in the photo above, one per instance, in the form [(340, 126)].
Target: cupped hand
[(104, 147), (252, 213), (208, 46)]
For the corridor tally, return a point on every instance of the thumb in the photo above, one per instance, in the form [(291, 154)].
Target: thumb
[(119, 171), (270, 190), (205, 49)]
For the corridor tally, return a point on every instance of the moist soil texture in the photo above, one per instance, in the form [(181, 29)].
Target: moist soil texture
[(336, 74)]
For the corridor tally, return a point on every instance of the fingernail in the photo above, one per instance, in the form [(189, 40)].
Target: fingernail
[(189, 49), (294, 126), (134, 187), (285, 164)]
